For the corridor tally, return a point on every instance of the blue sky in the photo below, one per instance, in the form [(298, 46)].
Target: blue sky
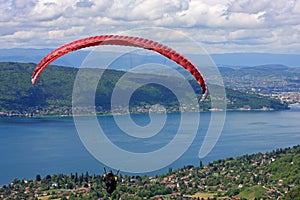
[(220, 26)]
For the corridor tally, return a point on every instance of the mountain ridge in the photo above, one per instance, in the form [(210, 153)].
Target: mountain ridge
[(54, 91), (75, 59)]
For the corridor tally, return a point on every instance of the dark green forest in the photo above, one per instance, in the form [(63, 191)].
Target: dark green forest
[(53, 92)]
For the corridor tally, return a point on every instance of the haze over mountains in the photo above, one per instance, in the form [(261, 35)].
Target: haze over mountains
[(76, 58)]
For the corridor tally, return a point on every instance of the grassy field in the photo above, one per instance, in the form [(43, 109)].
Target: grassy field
[(47, 198), (253, 192), (203, 195)]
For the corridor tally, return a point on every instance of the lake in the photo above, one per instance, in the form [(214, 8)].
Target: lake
[(51, 145)]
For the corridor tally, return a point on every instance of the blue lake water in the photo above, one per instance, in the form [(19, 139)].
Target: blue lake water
[(51, 145)]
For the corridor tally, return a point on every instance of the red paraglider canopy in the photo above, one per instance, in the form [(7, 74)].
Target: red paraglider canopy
[(123, 41)]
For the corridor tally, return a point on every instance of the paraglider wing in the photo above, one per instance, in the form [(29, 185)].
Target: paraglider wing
[(123, 41)]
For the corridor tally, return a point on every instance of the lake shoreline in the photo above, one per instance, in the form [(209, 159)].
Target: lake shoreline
[(31, 115)]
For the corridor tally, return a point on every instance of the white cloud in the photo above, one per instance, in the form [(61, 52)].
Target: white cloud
[(221, 25), (14, 9), (21, 35), (73, 31), (46, 10)]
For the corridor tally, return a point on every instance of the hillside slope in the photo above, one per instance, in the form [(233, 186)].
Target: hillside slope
[(270, 175), (53, 92)]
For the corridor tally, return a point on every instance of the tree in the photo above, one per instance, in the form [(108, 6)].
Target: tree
[(38, 177), (201, 164), (294, 194)]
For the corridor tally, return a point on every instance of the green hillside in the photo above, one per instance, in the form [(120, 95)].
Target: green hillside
[(53, 92), (269, 175)]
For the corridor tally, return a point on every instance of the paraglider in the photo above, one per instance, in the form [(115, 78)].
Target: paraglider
[(110, 180), (123, 41)]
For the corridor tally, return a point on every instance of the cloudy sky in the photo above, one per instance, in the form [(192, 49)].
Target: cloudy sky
[(220, 26)]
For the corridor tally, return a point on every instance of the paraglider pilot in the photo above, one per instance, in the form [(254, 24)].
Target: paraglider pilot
[(110, 180)]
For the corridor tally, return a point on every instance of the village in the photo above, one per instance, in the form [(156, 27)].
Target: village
[(261, 175)]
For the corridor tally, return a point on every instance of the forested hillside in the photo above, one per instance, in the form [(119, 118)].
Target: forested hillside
[(269, 175), (53, 92)]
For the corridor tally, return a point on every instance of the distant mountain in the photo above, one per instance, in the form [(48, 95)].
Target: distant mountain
[(134, 58), (35, 55), (254, 59)]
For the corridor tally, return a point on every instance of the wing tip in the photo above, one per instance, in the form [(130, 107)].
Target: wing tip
[(33, 81), (204, 96)]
